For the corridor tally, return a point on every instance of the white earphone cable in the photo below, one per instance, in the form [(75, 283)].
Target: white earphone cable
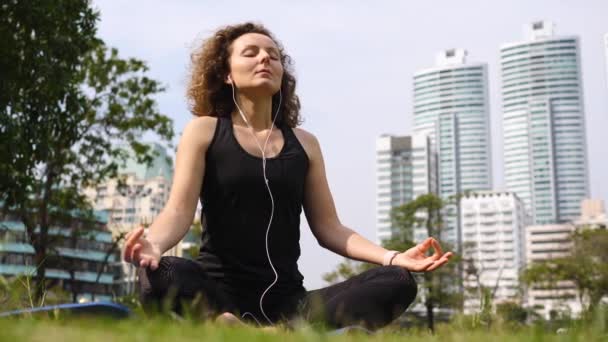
[(263, 150)]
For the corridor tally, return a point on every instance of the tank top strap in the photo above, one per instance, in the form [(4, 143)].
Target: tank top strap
[(222, 132), (225, 125)]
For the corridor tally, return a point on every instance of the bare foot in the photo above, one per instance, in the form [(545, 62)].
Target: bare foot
[(228, 319)]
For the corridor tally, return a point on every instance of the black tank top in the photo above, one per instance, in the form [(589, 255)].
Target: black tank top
[(236, 210)]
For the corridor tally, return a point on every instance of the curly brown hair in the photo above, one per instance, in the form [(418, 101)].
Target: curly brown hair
[(209, 95)]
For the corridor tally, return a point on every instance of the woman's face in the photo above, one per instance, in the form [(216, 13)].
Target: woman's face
[(255, 64)]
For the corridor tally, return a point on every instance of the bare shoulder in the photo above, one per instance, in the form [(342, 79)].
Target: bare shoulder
[(309, 141), (199, 131)]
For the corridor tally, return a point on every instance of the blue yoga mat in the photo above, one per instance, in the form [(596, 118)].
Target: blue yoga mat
[(106, 309)]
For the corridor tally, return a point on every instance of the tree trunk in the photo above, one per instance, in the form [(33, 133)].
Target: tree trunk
[(73, 288), (106, 258), (41, 242), (39, 283), (428, 279)]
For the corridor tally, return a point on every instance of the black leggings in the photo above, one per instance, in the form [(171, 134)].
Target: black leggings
[(373, 298)]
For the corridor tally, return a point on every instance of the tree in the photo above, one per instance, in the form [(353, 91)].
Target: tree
[(114, 248), (424, 211), (427, 211), (586, 267), (512, 313), (473, 271), (68, 104)]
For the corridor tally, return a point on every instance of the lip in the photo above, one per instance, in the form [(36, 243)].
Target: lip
[(264, 71)]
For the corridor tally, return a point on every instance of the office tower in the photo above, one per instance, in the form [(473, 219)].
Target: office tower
[(451, 106), (545, 154)]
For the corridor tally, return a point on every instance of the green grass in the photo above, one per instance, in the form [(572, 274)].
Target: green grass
[(158, 329)]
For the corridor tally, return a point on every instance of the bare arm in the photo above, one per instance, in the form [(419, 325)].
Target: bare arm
[(175, 219), (173, 222), (332, 234), (321, 212)]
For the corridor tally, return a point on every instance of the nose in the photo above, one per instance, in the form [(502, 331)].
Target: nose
[(264, 57)]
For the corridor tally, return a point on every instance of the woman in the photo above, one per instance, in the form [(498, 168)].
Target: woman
[(254, 171)]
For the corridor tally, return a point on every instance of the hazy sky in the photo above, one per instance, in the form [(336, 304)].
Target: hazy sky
[(354, 61)]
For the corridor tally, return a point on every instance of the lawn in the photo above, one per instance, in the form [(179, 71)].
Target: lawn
[(155, 329)]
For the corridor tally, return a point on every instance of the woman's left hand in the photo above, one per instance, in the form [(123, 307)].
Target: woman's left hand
[(415, 259)]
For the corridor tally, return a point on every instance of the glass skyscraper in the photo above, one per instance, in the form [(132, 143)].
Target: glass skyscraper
[(451, 107), (545, 154)]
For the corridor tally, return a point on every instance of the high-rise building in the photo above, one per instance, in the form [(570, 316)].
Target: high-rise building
[(136, 201), (493, 228), (451, 106), (405, 169), (545, 154), (83, 262)]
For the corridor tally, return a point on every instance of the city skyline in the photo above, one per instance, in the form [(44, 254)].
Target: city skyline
[(354, 68)]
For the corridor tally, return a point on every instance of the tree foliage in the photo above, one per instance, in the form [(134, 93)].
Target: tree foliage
[(586, 267), (68, 106)]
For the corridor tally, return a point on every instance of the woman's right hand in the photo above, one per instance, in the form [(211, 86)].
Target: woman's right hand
[(140, 251)]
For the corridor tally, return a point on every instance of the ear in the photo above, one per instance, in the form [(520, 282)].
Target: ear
[(228, 79)]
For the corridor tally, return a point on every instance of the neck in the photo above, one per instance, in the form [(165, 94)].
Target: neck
[(257, 110)]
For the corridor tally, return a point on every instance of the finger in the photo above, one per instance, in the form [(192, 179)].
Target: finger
[(135, 254), (136, 234), (126, 254), (426, 266), (144, 263), (153, 264), (422, 265), (430, 259), (446, 257), (438, 264), (424, 245), (128, 236), (437, 247)]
